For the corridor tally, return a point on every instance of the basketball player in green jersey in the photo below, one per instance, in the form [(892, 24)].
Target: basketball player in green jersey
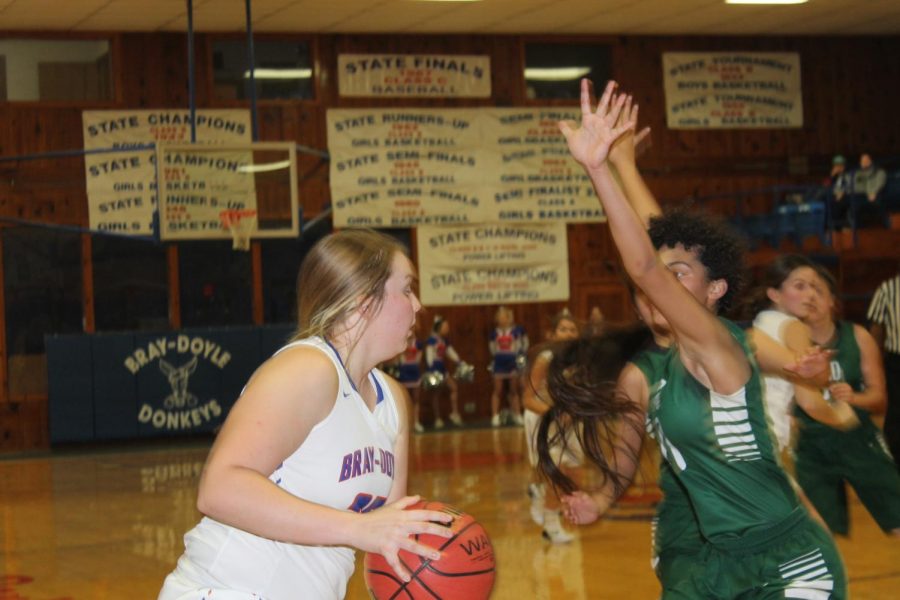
[(708, 414), (828, 459)]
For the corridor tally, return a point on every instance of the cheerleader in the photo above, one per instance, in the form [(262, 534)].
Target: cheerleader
[(409, 374), (437, 350), (508, 341)]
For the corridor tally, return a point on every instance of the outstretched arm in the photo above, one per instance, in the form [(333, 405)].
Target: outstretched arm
[(703, 340), (873, 397), (623, 155), (583, 507)]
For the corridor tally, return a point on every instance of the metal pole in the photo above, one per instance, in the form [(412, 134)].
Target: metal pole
[(192, 95), (251, 60)]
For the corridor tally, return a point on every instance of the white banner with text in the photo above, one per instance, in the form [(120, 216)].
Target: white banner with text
[(414, 75), (412, 167), (732, 90), (493, 263), (121, 186)]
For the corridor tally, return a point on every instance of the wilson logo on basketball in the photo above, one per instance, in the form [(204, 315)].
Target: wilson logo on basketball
[(177, 359), (480, 547)]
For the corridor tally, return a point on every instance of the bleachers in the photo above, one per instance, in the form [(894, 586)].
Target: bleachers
[(800, 212)]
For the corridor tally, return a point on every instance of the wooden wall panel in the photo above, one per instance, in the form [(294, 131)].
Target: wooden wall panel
[(850, 86)]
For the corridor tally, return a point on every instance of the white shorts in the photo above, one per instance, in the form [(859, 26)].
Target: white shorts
[(176, 588)]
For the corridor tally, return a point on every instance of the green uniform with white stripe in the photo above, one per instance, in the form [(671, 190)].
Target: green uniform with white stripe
[(676, 534), (761, 542), (827, 458)]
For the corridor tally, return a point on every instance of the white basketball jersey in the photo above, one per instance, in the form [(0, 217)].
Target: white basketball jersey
[(779, 395), (346, 462)]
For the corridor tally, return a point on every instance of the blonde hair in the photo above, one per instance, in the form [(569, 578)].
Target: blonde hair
[(342, 271), (504, 310)]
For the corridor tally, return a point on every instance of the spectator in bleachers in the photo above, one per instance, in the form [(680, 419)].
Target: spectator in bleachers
[(839, 184), (838, 180), (868, 181)]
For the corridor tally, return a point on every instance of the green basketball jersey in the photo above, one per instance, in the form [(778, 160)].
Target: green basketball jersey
[(674, 525), (846, 366), (720, 449)]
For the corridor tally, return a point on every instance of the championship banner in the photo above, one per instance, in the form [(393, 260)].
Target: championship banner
[(414, 75), (121, 186), (732, 90), (493, 263), (412, 167)]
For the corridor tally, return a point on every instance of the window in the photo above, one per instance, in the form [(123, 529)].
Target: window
[(42, 269), (130, 285), (216, 285), (55, 70), (552, 71), (283, 70)]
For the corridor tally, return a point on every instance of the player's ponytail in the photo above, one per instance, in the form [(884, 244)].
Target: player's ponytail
[(581, 383)]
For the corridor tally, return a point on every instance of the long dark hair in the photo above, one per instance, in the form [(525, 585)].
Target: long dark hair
[(581, 382)]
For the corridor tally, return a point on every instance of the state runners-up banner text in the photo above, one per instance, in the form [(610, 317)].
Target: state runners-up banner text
[(732, 90), (121, 186), (493, 263), (413, 167)]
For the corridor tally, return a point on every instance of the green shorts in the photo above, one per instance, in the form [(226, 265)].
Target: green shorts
[(794, 558), (677, 542), (828, 459)]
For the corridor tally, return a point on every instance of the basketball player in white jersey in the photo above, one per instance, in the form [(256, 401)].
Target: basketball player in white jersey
[(315, 444)]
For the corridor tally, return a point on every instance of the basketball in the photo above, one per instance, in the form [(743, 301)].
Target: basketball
[(465, 570)]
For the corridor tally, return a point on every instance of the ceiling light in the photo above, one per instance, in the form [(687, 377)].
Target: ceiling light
[(279, 74), (766, 1), (556, 73)]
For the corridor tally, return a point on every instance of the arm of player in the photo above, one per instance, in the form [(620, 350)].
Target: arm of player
[(873, 397), (622, 155), (838, 414), (705, 344), (267, 424), (534, 384), (581, 507), (810, 368)]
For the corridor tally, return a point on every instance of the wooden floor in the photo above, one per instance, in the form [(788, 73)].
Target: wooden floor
[(108, 523)]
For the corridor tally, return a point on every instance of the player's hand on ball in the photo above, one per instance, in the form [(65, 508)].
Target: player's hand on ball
[(388, 529), (580, 508)]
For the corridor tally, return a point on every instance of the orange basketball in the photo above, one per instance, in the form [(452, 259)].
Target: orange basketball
[(465, 571)]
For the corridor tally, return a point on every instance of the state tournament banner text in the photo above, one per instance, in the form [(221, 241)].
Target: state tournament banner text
[(413, 167), (493, 263), (732, 90), (121, 186)]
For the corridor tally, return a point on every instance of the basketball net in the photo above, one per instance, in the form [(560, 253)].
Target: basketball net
[(241, 224)]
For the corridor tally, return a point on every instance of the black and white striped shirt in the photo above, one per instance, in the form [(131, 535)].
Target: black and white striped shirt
[(885, 310)]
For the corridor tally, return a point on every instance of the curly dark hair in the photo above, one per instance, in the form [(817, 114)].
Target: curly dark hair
[(719, 248), (581, 382)]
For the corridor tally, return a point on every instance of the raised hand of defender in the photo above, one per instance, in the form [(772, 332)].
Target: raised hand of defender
[(630, 144), (590, 142)]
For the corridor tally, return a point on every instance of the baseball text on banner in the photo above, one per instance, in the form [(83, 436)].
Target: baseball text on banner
[(414, 75), (121, 186), (493, 263), (412, 167), (732, 90)]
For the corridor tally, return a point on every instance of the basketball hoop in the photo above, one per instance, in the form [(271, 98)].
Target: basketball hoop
[(241, 224)]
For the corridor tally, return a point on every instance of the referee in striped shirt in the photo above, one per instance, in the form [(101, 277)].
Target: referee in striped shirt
[(884, 317)]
